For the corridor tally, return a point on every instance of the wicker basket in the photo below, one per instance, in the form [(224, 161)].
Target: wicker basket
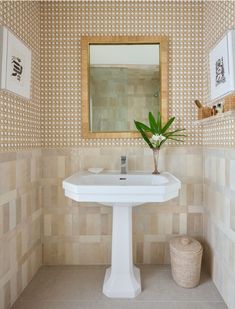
[(186, 257), (229, 103), (204, 112)]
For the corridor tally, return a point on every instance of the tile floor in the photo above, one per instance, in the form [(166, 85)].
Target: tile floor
[(80, 287)]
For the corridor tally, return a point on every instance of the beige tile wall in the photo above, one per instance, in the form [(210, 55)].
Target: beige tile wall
[(219, 228), (80, 233), (20, 222)]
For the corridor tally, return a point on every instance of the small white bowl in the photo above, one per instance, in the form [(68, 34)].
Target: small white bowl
[(95, 170)]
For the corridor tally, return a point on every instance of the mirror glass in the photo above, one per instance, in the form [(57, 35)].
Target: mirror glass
[(124, 84), (123, 79)]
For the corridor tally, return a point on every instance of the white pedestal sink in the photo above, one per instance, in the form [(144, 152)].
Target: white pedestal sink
[(122, 192)]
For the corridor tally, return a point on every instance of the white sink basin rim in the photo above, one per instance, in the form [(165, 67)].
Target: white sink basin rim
[(112, 187)]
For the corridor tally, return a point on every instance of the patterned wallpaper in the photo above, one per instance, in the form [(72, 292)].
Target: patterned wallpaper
[(219, 16), (20, 118), (188, 25), (63, 24)]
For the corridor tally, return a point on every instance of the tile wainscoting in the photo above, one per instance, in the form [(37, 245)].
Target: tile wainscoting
[(80, 233), (219, 220), (20, 223)]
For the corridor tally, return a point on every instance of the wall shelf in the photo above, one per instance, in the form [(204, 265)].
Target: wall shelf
[(213, 119)]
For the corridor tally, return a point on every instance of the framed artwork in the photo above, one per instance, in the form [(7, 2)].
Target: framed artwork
[(222, 66), (15, 64)]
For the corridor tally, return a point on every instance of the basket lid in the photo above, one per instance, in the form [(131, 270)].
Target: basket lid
[(185, 244)]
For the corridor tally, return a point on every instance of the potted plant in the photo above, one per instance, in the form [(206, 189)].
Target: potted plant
[(157, 134)]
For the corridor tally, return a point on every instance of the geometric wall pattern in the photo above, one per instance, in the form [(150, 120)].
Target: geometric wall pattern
[(62, 26), (20, 118), (57, 123), (219, 16)]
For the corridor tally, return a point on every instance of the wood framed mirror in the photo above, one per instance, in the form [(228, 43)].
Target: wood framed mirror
[(123, 79)]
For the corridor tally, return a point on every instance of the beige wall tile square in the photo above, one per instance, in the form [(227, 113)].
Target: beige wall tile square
[(8, 182), (23, 173), (232, 214), (232, 175), (4, 257)]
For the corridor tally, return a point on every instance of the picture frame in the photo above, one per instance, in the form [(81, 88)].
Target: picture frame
[(15, 64), (222, 66)]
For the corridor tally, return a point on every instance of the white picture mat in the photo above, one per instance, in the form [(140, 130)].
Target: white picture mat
[(11, 47), (3, 56), (224, 49)]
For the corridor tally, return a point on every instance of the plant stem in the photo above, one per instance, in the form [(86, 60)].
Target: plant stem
[(155, 160)]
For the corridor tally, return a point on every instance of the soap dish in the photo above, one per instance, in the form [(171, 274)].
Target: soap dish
[(95, 170)]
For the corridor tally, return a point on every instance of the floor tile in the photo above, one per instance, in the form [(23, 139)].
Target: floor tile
[(118, 305), (159, 286), (70, 287)]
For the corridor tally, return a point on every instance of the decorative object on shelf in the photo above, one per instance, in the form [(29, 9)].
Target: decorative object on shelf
[(206, 111), (219, 108), (229, 103), (198, 104), (203, 111), (222, 66), (214, 110), (217, 118), (157, 134), (15, 64)]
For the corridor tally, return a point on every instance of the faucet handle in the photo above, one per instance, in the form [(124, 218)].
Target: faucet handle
[(123, 164), (123, 159)]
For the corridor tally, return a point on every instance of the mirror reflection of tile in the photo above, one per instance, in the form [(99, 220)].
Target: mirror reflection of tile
[(121, 94)]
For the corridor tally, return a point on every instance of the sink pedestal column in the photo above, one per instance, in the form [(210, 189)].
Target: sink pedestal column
[(122, 279)]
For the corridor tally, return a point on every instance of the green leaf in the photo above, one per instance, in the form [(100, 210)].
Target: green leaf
[(175, 139), (159, 122), (156, 128), (168, 124), (177, 130), (176, 135), (173, 132), (144, 135), (153, 124), (162, 142), (143, 126)]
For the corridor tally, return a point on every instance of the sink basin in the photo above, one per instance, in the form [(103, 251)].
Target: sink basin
[(112, 187), (122, 192)]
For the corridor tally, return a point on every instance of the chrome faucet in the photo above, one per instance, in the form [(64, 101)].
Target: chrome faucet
[(123, 164)]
